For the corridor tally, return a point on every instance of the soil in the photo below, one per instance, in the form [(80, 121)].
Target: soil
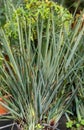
[(7, 124), (62, 123)]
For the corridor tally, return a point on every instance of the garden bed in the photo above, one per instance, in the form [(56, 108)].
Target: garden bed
[(8, 124)]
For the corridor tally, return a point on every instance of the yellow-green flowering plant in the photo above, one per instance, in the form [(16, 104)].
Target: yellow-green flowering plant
[(31, 11)]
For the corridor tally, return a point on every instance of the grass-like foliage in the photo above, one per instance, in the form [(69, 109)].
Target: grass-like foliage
[(40, 74)]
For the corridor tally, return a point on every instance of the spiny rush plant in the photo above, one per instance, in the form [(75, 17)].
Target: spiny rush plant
[(40, 77)]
